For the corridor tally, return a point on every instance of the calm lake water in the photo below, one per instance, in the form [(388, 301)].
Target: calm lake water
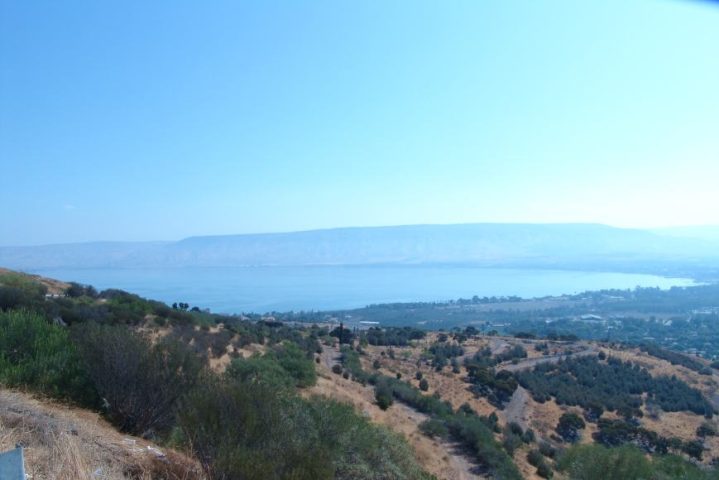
[(264, 289)]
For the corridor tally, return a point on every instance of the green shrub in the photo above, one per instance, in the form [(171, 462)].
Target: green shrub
[(259, 369), (706, 429), (534, 457), (423, 385), (258, 432), (238, 430), (474, 434), (40, 356), (544, 470), (674, 466), (569, 426), (24, 283), (383, 394), (297, 363), (595, 462), (511, 442), (140, 383), (361, 450), (434, 428), (546, 449)]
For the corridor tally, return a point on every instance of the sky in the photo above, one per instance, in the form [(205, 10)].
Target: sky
[(161, 120)]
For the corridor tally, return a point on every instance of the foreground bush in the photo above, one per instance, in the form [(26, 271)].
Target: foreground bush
[(590, 462), (257, 431), (140, 383), (38, 355)]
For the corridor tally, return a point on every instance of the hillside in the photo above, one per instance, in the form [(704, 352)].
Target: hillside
[(263, 399), (520, 408), (68, 443), (588, 246)]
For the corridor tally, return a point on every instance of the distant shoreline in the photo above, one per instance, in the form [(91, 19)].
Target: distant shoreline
[(234, 290)]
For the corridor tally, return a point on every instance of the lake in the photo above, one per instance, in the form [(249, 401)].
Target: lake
[(265, 289)]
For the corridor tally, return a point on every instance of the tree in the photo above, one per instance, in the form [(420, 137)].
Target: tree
[(569, 426), (423, 385)]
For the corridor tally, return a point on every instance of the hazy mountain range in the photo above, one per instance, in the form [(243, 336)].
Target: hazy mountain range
[(521, 245)]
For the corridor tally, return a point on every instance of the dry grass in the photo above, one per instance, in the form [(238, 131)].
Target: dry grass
[(63, 443), (438, 458)]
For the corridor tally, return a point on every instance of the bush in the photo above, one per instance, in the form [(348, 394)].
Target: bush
[(384, 395), (569, 426), (546, 449), (251, 432), (534, 457), (40, 356), (595, 462), (259, 369), (254, 433), (544, 470), (297, 363), (511, 442), (473, 433), (337, 369), (515, 428), (423, 385), (706, 429), (139, 383), (434, 428)]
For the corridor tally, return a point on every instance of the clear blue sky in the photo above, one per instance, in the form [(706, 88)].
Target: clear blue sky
[(160, 120)]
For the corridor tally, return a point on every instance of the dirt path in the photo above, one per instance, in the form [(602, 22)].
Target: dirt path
[(588, 349), (498, 345), (329, 357), (516, 409)]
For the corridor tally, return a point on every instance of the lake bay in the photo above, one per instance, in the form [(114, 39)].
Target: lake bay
[(265, 289)]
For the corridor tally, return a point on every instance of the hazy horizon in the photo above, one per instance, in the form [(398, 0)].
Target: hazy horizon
[(677, 230)]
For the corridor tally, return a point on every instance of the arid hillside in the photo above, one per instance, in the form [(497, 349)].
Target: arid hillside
[(450, 404), (66, 443)]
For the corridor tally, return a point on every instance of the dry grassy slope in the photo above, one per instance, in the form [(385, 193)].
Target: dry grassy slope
[(543, 418), (54, 287), (64, 443), (59, 452), (438, 458)]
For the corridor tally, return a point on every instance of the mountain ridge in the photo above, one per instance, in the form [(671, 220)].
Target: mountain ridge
[(484, 244)]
